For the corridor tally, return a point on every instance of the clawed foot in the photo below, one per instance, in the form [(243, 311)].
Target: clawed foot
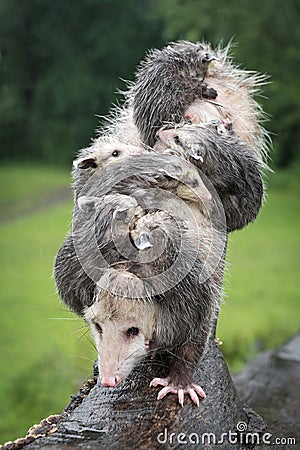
[(193, 390)]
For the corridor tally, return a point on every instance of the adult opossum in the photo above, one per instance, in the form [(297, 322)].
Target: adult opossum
[(164, 301), (168, 90), (175, 275)]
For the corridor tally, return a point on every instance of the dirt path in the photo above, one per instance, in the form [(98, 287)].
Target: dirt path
[(46, 201)]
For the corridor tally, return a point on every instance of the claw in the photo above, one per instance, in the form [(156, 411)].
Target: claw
[(166, 390), (181, 396), (193, 396), (199, 390), (142, 241), (169, 388), (159, 381)]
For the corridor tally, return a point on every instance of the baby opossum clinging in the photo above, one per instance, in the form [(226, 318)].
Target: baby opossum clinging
[(169, 90)]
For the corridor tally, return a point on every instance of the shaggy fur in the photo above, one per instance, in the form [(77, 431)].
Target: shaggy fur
[(169, 82), (228, 164), (118, 201)]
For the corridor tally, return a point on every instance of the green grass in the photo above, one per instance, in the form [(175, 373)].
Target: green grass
[(261, 307), (41, 360), (44, 359), (24, 186)]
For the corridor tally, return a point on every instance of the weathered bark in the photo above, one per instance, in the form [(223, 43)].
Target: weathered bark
[(271, 385), (130, 417)]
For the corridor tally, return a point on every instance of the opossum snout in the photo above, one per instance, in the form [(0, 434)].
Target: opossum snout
[(165, 134), (110, 380)]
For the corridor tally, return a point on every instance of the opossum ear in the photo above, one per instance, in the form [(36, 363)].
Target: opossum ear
[(85, 163), (87, 204)]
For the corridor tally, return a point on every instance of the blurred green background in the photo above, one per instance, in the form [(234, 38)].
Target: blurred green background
[(61, 65)]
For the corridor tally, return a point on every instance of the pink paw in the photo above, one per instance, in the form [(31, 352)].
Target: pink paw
[(193, 390)]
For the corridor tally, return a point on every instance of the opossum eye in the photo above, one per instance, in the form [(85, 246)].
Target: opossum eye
[(98, 328), (133, 331), (177, 140), (115, 153)]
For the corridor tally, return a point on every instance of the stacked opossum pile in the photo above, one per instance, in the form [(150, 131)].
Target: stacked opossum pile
[(155, 196)]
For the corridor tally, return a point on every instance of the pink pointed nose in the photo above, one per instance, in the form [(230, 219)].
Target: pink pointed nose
[(110, 380)]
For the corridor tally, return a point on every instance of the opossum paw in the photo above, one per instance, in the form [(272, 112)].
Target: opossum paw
[(193, 390)]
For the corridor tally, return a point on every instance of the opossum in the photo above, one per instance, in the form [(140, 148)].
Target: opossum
[(214, 148), (135, 311), (108, 151), (122, 327), (104, 151), (167, 90), (233, 170), (182, 312)]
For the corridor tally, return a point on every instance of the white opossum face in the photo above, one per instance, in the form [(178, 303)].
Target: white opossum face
[(122, 329), (107, 153)]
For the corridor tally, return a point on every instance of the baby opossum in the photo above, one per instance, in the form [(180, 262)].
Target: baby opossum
[(167, 82), (104, 151), (168, 90), (232, 169)]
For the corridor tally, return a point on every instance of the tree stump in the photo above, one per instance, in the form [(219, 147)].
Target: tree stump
[(130, 417)]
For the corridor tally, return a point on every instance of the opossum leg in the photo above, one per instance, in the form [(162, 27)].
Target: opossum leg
[(180, 379), (169, 388)]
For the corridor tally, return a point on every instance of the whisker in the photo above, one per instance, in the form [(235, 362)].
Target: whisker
[(62, 318), (79, 329), (83, 334), (86, 358)]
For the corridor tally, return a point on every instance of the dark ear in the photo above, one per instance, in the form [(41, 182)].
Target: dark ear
[(85, 163)]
